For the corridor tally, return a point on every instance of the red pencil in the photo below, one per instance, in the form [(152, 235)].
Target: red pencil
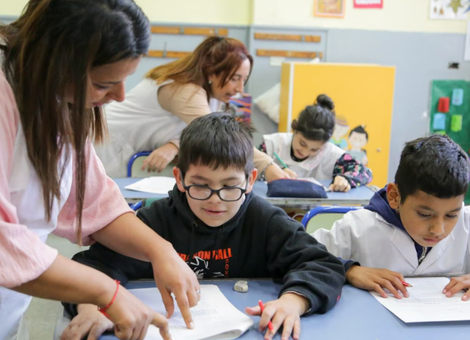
[(261, 306), (406, 284)]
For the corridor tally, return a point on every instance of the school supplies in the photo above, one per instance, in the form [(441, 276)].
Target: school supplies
[(154, 185), (280, 160), (426, 302), (241, 286), (214, 316), (406, 284), (261, 306), (301, 188)]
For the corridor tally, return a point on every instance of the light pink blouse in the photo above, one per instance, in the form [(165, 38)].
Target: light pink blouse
[(23, 256)]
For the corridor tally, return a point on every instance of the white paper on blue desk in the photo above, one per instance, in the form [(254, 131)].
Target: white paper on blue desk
[(427, 303), (214, 316), (154, 185)]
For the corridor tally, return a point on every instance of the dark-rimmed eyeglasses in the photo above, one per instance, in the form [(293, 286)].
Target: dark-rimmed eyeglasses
[(204, 192)]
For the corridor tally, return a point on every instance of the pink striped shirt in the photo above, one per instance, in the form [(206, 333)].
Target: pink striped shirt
[(23, 256)]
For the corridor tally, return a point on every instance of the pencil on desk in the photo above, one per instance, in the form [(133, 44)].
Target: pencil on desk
[(406, 284), (280, 160), (270, 325)]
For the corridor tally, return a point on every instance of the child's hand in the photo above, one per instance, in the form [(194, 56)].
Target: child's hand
[(159, 158), (273, 172), (88, 321), (285, 311), (290, 173), (376, 279), (340, 184), (457, 284)]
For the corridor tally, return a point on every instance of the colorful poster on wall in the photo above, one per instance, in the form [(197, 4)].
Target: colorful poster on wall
[(449, 9), (329, 8), (467, 43), (368, 4)]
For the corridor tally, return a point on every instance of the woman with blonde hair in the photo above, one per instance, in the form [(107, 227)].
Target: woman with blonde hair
[(170, 97)]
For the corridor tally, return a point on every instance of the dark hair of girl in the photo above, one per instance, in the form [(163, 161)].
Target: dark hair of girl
[(316, 122)]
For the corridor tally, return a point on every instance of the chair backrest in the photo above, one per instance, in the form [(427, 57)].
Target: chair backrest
[(327, 221), (134, 167)]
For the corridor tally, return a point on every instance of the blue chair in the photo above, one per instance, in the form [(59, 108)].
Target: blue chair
[(132, 160), (134, 167), (326, 210)]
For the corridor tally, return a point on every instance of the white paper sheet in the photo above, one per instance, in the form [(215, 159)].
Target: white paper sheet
[(427, 303), (154, 185), (214, 316)]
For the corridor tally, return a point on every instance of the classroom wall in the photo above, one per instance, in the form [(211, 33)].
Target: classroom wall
[(225, 12), (188, 11), (400, 35), (419, 58), (396, 15), (11, 8)]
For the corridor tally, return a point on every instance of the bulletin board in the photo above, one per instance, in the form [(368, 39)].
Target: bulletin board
[(456, 121)]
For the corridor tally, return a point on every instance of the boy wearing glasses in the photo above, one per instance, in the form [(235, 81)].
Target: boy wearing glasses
[(223, 230)]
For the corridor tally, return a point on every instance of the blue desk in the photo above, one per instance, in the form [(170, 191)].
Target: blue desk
[(358, 196), (357, 316)]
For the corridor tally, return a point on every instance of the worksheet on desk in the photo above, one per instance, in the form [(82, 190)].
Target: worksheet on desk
[(214, 316), (426, 302), (154, 185)]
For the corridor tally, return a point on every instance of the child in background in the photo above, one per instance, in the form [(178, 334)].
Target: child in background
[(223, 230), (308, 153), (416, 226)]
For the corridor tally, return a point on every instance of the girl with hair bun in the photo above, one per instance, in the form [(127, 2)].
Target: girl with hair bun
[(307, 152)]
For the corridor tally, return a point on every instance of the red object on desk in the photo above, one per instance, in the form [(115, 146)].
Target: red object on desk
[(261, 306), (443, 105)]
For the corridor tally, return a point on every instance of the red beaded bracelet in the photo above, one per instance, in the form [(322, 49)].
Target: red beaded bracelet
[(104, 309)]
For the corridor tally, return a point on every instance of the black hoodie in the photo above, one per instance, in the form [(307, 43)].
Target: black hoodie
[(260, 241)]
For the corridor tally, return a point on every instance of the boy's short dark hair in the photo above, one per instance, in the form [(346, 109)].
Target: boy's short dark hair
[(217, 140), (436, 165)]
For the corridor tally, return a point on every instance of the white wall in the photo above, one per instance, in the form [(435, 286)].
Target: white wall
[(235, 12), (12, 8), (396, 15)]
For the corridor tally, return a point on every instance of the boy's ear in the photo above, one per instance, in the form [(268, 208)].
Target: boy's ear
[(393, 196), (177, 173), (251, 180)]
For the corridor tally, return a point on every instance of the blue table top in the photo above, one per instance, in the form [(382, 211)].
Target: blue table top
[(357, 196), (357, 316)]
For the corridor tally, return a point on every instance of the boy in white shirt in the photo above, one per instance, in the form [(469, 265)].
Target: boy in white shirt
[(416, 226)]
